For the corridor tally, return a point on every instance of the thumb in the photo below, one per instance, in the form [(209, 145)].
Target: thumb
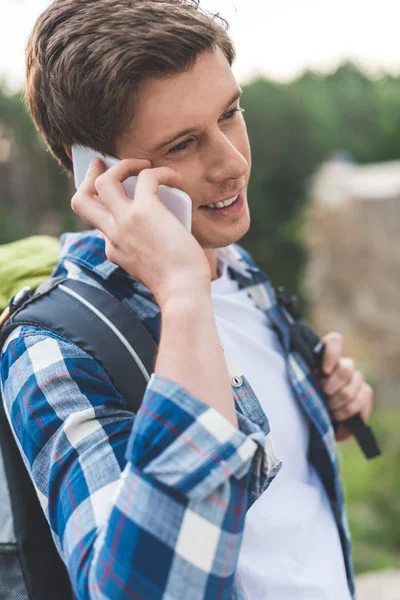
[(333, 351)]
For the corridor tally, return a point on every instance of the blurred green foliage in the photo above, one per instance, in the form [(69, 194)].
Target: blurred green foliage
[(293, 127), (32, 184), (372, 492)]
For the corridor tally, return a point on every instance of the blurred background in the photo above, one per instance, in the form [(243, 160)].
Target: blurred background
[(321, 87)]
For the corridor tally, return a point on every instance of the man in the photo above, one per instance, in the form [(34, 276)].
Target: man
[(153, 506)]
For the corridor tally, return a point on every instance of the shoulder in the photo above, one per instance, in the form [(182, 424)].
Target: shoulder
[(31, 349), (82, 256), (36, 362)]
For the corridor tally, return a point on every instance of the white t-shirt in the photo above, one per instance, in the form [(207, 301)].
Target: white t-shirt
[(291, 548)]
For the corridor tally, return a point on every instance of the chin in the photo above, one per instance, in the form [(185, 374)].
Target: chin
[(224, 235)]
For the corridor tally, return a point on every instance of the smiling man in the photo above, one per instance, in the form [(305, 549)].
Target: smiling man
[(174, 502), (192, 123)]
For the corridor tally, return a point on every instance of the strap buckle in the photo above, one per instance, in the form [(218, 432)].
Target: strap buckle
[(15, 303), (289, 302)]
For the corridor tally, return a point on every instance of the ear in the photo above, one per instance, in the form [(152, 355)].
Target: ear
[(68, 151)]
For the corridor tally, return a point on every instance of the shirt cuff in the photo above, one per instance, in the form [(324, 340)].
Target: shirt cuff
[(188, 446), (266, 463)]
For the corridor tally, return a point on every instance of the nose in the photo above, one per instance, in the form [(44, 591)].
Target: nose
[(224, 160)]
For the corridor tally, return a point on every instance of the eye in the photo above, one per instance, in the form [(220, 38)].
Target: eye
[(231, 113), (182, 146)]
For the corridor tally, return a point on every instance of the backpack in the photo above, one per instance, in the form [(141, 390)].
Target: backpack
[(30, 566)]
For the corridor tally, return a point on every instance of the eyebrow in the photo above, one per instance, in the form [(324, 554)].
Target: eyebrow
[(190, 130)]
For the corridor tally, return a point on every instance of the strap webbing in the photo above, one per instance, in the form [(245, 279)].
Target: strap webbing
[(102, 326)]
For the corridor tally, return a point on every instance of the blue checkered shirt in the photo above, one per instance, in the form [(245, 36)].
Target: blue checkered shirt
[(150, 506)]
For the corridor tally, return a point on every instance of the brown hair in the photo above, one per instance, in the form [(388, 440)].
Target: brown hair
[(86, 58)]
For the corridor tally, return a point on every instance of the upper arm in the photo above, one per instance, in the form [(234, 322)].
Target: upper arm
[(70, 422)]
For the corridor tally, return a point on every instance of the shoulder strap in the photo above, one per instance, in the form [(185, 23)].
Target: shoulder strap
[(99, 324), (310, 347)]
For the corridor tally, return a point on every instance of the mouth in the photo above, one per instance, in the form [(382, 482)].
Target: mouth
[(223, 202), (225, 207)]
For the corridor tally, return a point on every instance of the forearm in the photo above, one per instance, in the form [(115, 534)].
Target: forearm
[(190, 352)]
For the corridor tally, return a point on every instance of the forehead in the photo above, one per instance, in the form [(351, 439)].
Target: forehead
[(186, 99)]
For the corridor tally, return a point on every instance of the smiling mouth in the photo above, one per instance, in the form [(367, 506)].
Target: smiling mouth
[(223, 204)]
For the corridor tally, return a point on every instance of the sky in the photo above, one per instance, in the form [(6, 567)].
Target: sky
[(278, 39)]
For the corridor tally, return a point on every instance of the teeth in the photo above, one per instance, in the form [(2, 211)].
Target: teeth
[(224, 203)]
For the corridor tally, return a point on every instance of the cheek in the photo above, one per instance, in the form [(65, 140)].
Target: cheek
[(189, 169), (192, 173)]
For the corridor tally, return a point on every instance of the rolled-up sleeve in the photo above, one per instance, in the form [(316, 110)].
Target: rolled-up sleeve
[(186, 445), (149, 506)]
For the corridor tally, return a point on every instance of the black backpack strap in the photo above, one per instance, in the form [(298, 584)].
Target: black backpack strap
[(112, 334), (307, 343), (99, 324)]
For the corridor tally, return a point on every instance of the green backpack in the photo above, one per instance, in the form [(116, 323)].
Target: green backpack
[(26, 262)]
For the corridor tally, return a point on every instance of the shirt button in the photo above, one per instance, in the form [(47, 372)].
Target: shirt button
[(236, 381)]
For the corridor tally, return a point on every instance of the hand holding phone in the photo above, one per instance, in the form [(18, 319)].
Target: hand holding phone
[(142, 236), (175, 200)]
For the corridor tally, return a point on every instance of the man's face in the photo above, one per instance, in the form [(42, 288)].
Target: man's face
[(213, 159)]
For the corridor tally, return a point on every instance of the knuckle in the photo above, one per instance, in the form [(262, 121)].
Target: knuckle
[(75, 203), (137, 216), (359, 377), (336, 337), (349, 410), (145, 174), (111, 252), (325, 385), (334, 403), (356, 383), (347, 395), (347, 368), (100, 182), (369, 392), (112, 246)]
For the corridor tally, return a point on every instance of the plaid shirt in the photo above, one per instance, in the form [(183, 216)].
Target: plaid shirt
[(150, 506)]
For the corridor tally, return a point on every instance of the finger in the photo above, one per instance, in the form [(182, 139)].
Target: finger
[(333, 352), (362, 404), (90, 209), (347, 411), (109, 184), (340, 377), (343, 433), (86, 203), (347, 393), (96, 168), (367, 396), (150, 179)]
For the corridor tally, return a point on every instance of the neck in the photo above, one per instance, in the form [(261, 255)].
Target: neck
[(212, 257)]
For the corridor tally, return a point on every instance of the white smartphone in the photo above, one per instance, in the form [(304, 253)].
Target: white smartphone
[(178, 202)]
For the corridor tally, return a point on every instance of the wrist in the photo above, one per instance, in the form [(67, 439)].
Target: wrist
[(188, 300), (184, 292)]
